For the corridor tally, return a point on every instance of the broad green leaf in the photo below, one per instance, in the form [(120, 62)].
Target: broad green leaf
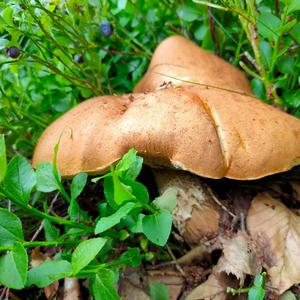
[(46, 181), (295, 33), (257, 292), (286, 65), (137, 189), (51, 232), (3, 161), (138, 226), (266, 52), (158, 291), (258, 88), (103, 286), (126, 161), (122, 4), (189, 13), (132, 257), (13, 266), (287, 27), (115, 192), (288, 295), (48, 272), (292, 5), (157, 227), (7, 15), (20, 179), (10, 228), (77, 185), (114, 219), (85, 252), (130, 165), (167, 200), (268, 25)]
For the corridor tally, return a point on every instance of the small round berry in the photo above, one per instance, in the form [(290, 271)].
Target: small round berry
[(78, 58), (13, 52), (106, 29)]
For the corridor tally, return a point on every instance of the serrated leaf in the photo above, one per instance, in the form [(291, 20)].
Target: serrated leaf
[(167, 200), (13, 266), (3, 160), (48, 272), (10, 228), (46, 181), (103, 286), (114, 219), (20, 179), (157, 227), (85, 252)]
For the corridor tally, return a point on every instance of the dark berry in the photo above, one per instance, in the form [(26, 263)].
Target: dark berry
[(13, 52), (22, 6), (106, 29), (78, 58)]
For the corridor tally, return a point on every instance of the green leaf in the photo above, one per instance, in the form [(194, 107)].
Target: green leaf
[(257, 292), (7, 15), (130, 165), (158, 291), (3, 43), (10, 228), (103, 286), (137, 189), (114, 219), (51, 232), (138, 226), (3, 160), (292, 5), (46, 181), (132, 257), (115, 192), (167, 200), (77, 185), (266, 52), (288, 295), (48, 272), (286, 65), (157, 227), (20, 179), (258, 88), (13, 266), (295, 33), (267, 25), (85, 252), (287, 27), (188, 13)]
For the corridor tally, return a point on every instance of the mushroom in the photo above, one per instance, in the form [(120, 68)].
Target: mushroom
[(214, 131)]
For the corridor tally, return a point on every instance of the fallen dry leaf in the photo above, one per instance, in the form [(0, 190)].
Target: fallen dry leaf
[(213, 288), (71, 289), (276, 231), (239, 257)]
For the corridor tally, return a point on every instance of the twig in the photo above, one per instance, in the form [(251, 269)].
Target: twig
[(174, 259), (219, 203), (43, 222)]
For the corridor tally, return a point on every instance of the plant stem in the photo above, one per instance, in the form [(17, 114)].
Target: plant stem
[(38, 213)]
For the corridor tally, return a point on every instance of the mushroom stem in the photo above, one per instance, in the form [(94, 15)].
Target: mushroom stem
[(196, 215)]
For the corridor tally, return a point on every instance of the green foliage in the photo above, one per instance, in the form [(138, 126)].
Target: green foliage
[(82, 254), (258, 290), (158, 291)]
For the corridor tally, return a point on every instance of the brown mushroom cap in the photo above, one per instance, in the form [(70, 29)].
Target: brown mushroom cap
[(176, 59), (208, 132)]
